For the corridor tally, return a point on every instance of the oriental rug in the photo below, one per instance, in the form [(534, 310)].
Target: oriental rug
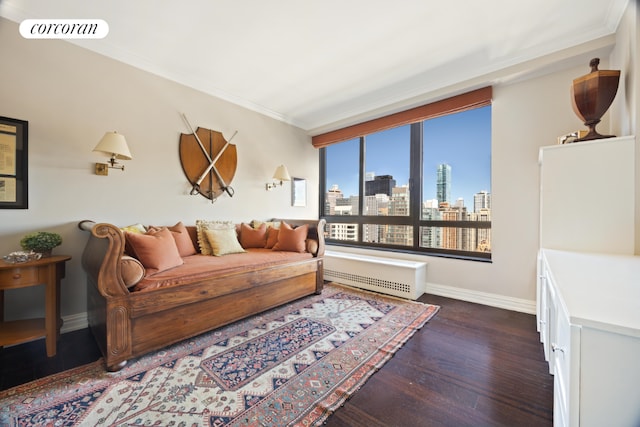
[(293, 365)]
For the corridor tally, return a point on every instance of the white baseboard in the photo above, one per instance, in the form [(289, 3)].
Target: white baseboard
[(493, 300), (74, 322)]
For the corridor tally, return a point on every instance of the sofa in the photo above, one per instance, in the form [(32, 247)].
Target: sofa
[(152, 286)]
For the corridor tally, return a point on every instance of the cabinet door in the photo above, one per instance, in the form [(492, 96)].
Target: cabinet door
[(540, 294), (543, 315), (609, 378), (565, 347), (552, 305), (572, 176)]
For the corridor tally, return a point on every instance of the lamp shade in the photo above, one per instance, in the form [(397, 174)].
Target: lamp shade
[(114, 144), (281, 174)]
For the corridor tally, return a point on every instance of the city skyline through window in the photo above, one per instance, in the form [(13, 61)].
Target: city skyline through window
[(435, 173)]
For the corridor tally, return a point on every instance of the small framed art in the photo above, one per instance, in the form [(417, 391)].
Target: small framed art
[(298, 192), (14, 141)]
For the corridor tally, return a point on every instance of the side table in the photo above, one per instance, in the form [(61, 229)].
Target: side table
[(48, 271)]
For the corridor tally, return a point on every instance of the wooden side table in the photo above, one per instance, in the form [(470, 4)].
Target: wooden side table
[(48, 271)]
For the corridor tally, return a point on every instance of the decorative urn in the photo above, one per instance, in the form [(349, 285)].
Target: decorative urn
[(592, 95)]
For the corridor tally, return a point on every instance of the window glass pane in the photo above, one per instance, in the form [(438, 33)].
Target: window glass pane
[(457, 166), (453, 185), (338, 231), (455, 238), (386, 189), (343, 168), (401, 235)]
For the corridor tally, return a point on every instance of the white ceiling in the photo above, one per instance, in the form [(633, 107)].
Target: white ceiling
[(320, 63)]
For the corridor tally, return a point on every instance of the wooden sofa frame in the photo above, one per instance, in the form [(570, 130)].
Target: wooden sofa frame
[(129, 324)]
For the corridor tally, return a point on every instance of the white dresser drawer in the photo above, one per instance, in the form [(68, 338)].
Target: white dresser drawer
[(561, 356)]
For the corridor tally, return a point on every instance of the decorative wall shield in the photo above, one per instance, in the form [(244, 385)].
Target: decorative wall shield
[(209, 162)]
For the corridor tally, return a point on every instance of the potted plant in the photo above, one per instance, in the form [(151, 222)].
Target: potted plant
[(41, 241)]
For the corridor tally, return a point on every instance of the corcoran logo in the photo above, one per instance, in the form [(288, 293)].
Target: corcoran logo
[(64, 29)]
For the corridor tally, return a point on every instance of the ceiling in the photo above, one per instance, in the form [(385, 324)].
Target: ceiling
[(318, 64)]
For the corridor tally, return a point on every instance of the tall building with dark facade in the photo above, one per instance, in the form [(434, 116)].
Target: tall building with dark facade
[(382, 184)]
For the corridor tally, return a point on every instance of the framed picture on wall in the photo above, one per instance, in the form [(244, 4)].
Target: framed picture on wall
[(298, 192), (14, 141)]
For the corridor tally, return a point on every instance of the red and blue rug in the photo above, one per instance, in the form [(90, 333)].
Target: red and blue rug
[(293, 365)]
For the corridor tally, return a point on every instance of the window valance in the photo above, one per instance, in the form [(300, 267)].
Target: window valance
[(466, 101)]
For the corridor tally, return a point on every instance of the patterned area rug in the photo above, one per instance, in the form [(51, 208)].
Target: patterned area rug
[(293, 365)]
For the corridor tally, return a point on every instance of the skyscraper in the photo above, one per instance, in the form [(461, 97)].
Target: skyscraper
[(381, 184), (443, 190), (481, 200)]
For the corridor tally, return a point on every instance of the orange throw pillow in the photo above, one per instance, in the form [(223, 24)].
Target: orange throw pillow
[(292, 239), (253, 237), (156, 250), (272, 237), (182, 238), (132, 270)]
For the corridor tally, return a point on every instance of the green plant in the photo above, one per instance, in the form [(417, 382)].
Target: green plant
[(40, 241)]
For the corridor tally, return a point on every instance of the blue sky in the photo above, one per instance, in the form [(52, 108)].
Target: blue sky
[(462, 140)]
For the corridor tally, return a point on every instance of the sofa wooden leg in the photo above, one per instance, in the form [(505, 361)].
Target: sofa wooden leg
[(117, 366)]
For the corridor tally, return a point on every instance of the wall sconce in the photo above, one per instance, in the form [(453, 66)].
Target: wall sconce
[(281, 174), (114, 145)]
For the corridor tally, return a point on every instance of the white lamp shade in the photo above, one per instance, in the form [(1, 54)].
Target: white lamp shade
[(114, 144), (281, 174)]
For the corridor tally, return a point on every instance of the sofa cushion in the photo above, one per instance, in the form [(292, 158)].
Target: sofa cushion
[(270, 224), (202, 225), (272, 237), (182, 238), (156, 250), (132, 270), (312, 246), (133, 228), (253, 237), (223, 241), (292, 239), (200, 268)]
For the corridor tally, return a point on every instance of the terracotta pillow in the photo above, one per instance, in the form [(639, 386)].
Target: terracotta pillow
[(272, 237), (292, 239), (253, 237), (182, 238), (132, 270), (133, 228), (223, 242), (312, 246), (156, 250)]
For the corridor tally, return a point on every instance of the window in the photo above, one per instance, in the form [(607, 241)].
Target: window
[(423, 186)]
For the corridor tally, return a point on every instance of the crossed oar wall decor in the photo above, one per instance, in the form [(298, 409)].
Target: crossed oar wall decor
[(209, 161)]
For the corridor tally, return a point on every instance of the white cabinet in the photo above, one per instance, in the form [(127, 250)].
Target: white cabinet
[(588, 287), (589, 323), (587, 196)]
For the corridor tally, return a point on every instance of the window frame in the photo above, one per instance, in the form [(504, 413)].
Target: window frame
[(414, 219)]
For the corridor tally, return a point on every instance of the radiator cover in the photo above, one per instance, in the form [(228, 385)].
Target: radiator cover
[(402, 278)]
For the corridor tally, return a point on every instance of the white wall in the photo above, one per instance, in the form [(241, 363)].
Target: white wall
[(71, 97), (625, 114)]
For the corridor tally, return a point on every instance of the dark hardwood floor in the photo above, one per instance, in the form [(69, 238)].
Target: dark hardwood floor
[(471, 365)]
